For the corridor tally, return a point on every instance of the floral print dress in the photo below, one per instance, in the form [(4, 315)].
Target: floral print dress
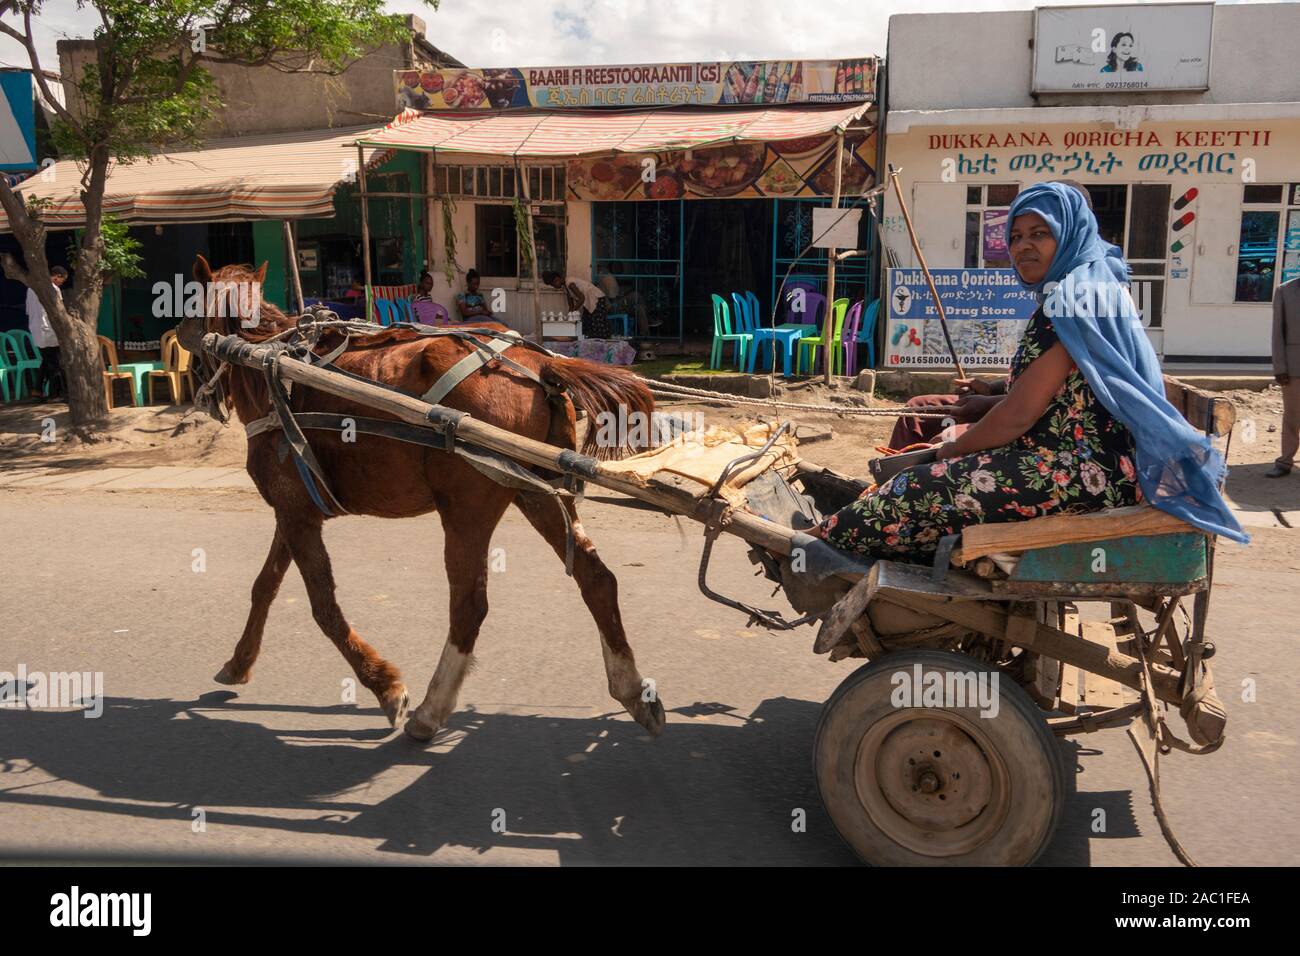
[(1076, 458)]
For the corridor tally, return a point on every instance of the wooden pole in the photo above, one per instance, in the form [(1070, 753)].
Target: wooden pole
[(929, 279), (365, 228), (828, 325), (293, 265), (532, 245)]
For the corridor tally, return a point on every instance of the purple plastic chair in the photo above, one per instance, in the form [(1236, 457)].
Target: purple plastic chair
[(431, 313), (849, 338)]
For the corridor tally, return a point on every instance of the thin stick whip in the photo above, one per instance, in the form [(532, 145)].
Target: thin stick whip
[(929, 279)]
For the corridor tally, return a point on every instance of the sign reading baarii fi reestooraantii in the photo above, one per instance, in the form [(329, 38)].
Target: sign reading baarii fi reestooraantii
[(738, 83)]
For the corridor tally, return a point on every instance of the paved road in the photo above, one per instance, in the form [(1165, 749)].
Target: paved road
[(285, 769)]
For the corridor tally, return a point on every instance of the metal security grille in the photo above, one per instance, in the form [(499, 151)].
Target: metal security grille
[(546, 183)]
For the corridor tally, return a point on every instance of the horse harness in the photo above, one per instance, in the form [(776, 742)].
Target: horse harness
[(300, 343)]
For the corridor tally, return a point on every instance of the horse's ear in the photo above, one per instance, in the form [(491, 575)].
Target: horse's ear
[(202, 271), (260, 275)]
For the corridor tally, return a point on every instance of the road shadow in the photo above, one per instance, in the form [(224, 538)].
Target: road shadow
[(719, 788), (595, 790)]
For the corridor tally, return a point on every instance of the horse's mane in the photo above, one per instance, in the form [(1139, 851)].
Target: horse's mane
[(273, 321)]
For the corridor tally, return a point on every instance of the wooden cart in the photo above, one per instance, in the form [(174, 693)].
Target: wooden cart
[(999, 614)]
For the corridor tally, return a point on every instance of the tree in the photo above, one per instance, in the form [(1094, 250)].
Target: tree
[(147, 87)]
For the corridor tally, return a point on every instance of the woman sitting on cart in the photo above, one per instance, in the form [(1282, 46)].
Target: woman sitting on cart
[(1085, 424)]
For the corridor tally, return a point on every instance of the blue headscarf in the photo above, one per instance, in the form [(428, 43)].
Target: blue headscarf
[(1085, 294)]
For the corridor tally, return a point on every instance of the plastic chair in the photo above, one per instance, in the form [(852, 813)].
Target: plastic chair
[(814, 308), (756, 316), (623, 319), (430, 313), (743, 321), (867, 333), (387, 311), (18, 353), (405, 311), (847, 349), (139, 373), (8, 372), (814, 342), (112, 372), (722, 334), (175, 371)]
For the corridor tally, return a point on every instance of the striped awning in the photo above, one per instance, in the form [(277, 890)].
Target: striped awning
[(557, 133), (274, 176)]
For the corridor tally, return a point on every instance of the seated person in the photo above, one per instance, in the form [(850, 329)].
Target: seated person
[(629, 302), (423, 288), (586, 297), (971, 398), (1084, 425), (470, 303)]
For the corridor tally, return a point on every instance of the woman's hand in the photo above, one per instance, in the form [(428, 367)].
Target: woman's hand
[(971, 408), (971, 386), (947, 449), (1014, 415)]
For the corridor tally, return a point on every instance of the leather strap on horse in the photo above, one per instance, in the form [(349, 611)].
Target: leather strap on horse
[(302, 452)]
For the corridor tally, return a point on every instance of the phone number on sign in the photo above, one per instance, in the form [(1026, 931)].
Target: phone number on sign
[(1001, 361)]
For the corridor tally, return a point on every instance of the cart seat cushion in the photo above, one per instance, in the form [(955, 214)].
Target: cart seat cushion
[(1015, 537)]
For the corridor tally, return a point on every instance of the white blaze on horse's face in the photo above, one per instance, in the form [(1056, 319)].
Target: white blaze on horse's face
[(241, 300)]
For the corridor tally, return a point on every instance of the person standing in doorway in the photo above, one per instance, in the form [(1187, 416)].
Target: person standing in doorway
[(43, 337), (1286, 369)]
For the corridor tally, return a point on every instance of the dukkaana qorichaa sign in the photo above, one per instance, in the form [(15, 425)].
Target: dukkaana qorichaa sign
[(740, 83)]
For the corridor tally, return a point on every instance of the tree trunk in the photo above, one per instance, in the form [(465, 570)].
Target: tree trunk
[(83, 374)]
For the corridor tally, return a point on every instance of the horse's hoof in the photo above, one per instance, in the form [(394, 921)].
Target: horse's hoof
[(650, 715), (395, 705), (227, 676), (418, 728)]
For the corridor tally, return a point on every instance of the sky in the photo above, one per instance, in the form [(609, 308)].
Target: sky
[(572, 32)]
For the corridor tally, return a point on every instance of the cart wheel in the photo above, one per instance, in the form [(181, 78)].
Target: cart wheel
[(937, 786)]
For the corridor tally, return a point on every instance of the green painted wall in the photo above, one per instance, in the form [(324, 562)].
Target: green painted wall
[(269, 247)]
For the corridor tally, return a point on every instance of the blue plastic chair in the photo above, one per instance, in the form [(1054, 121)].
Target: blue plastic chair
[(624, 320), (743, 320), (867, 331), (404, 311), (387, 311)]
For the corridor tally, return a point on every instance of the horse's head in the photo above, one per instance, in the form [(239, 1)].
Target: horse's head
[(232, 302)]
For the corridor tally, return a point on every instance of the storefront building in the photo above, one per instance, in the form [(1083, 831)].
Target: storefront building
[(1192, 163), (233, 202), (674, 181)]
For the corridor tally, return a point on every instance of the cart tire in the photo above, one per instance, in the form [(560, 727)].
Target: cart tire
[(937, 786)]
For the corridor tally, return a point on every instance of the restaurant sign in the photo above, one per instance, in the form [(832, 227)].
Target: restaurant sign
[(738, 83), (784, 169)]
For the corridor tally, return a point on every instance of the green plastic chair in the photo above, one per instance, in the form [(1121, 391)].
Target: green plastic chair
[(814, 342), (8, 372), (19, 356), (722, 334)]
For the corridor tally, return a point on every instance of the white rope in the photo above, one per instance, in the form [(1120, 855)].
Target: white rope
[(679, 391)]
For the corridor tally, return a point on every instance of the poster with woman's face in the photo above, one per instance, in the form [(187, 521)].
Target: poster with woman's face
[(1123, 47)]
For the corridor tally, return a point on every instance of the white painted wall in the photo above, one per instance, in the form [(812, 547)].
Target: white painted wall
[(970, 60)]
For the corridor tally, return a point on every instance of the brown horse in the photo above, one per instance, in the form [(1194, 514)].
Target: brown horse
[(374, 475)]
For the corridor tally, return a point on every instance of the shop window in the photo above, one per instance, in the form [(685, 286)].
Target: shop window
[(986, 224), (499, 253), (498, 244), (546, 183), (1268, 249)]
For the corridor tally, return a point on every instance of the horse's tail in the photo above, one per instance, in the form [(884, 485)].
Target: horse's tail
[(619, 407)]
